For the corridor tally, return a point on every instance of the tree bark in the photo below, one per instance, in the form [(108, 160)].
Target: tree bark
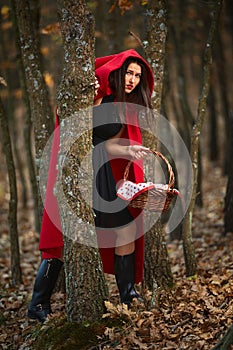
[(156, 34), (213, 140), (27, 132), (85, 283), (16, 274), (157, 266), (11, 119), (225, 108), (189, 252), (226, 341), (228, 210), (36, 88)]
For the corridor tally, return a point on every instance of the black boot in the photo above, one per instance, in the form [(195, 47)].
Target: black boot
[(46, 278), (124, 273)]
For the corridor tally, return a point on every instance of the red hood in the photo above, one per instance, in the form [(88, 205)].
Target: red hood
[(105, 65)]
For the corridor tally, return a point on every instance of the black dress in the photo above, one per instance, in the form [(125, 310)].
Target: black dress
[(110, 211)]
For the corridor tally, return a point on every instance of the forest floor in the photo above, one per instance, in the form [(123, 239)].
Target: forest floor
[(194, 315)]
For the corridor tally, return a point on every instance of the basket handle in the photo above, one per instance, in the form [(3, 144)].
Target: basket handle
[(171, 178)]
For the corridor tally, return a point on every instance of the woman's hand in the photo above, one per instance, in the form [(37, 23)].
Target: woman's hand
[(97, 86), (137, 151)]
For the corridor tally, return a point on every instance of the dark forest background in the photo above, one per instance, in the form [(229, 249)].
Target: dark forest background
[(201, 310), (188, 26)]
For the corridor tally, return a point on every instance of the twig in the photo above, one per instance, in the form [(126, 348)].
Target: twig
[(225, 303), (181, 324), (136, 38)]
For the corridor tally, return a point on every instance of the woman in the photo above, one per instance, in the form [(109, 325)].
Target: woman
[(126, 78)]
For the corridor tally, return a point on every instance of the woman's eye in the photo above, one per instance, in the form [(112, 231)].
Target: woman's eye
[(130, 74)]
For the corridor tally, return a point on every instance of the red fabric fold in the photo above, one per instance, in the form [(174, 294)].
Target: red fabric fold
[(51, 240)]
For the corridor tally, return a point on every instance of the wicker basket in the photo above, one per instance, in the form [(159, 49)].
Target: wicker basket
[(155, 199)]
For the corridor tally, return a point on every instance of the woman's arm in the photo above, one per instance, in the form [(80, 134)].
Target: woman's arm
[(114, 148)]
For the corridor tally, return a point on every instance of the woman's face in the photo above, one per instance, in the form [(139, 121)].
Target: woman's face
[(132, 77)]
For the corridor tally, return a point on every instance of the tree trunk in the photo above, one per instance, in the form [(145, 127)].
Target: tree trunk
[(225, 108), (226, 341), (85, 283), (36, 88), (114, 37), (156, 32), (228, 210), (213, 138), (11, 119), (189, 254), (157, 266), (27, 132), (178, 36), (12, 218)]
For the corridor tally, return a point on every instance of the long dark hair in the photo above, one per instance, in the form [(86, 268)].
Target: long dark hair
[(141, 94)]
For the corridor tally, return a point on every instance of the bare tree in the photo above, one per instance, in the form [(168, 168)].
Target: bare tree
[(189, 253), (228, 210), (223, 88), (11, 117), (15, 255), (27, 125), (178, 35), (85, 283), (37, 92)]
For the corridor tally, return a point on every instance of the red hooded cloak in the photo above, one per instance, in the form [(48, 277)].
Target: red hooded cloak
[(51, 241)]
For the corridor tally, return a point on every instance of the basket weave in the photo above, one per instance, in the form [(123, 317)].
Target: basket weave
[(155, 199)]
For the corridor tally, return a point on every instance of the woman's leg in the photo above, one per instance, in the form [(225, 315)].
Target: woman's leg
[(45, 281), (125, 239), (124, 263)]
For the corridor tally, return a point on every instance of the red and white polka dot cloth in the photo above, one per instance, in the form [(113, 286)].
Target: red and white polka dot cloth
[(129, 190)]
